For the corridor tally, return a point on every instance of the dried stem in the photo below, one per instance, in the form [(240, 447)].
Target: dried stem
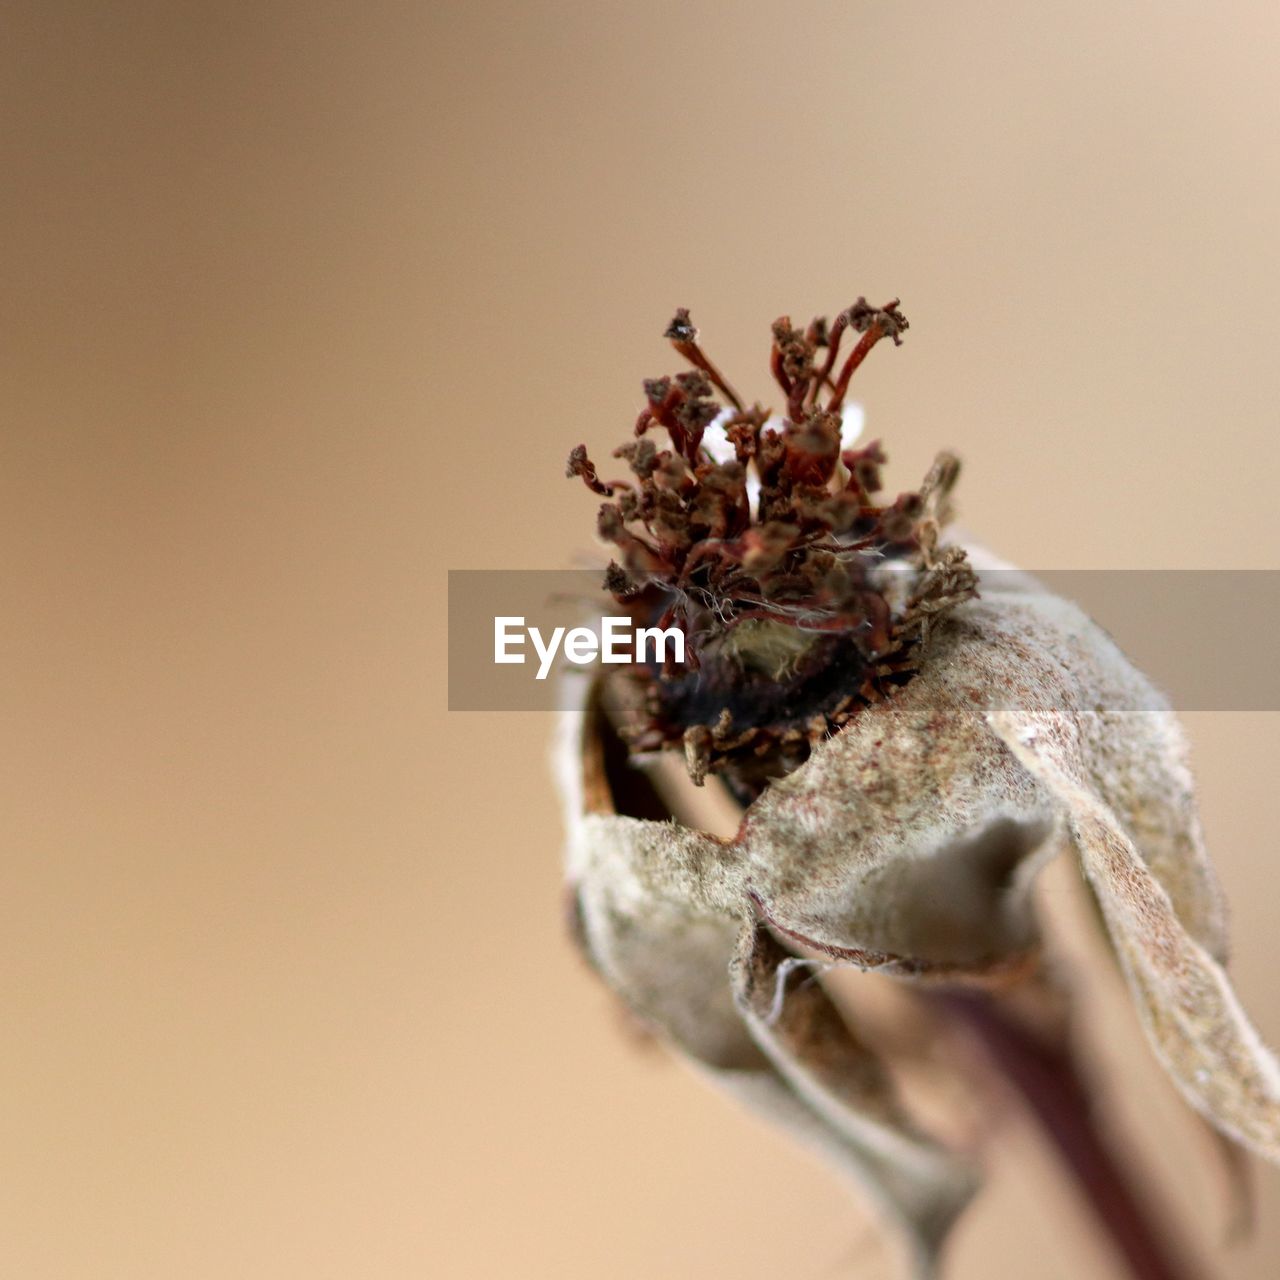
[(1048, 1080)]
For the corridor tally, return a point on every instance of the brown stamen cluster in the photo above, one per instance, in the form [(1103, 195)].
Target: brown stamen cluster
[(800, 602)]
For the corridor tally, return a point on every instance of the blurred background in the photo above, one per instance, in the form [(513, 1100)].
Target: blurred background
[(303, 306)]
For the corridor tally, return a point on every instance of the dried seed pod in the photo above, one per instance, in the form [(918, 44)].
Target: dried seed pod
[(906, 840)]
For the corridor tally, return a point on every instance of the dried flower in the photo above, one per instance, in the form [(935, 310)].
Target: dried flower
[(907, 755), (802, 598)]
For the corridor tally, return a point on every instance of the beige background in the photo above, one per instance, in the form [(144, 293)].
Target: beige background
[(304, 304)]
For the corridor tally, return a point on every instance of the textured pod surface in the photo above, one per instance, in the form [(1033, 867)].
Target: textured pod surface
[(908, 843)]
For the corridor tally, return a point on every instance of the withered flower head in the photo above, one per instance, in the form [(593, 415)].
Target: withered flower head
[(906, 755), (801, 594)]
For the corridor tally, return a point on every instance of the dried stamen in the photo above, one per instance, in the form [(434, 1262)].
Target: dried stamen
[(873, 323), (794, 606), (684, 337)]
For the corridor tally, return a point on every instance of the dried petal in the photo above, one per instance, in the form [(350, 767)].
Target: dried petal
[(714, 985), (908, 842), (911, 1178), (1188, 1008)]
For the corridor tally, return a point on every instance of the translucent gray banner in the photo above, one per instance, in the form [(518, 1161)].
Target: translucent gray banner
[(1207, 638)]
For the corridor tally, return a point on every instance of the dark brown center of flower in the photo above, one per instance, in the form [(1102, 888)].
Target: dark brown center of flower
[(802, 598)]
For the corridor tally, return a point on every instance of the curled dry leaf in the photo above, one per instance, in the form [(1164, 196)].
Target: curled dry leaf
[(905, 838)]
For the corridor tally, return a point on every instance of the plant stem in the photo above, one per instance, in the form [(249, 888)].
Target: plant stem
[(1047, 1079)]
